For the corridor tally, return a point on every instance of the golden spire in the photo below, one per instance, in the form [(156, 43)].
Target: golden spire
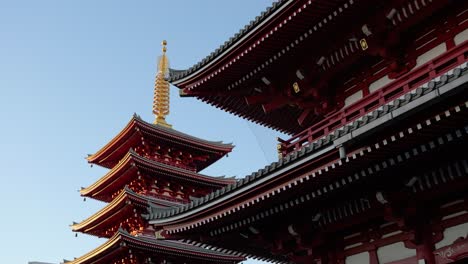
[(161, 90)]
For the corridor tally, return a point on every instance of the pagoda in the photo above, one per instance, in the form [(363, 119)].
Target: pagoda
[(375, 97), (150, 165)]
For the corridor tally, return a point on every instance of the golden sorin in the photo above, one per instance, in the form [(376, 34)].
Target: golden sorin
[(161, 90)]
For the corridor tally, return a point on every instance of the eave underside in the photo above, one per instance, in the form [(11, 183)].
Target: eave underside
[(133, 166), (231, 88), (124, 248), (421, 104), (138, 130), (434, 156), (435, 134), (127, 205)]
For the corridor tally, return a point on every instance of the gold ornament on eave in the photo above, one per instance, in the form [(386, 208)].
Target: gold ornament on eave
[(161, 90)]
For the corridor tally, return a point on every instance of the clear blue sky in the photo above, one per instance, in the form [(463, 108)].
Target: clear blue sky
[(72, 73)]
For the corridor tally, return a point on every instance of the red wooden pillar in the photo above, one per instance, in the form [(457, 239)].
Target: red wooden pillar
[(424, 252), (373, 258), (425, 245)]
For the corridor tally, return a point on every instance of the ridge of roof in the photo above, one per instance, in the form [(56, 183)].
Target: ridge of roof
[(136, 121), (220, 179), (126, 193), (175, 132), (175, 244), (178, 74), (175, 247), (131, 155)]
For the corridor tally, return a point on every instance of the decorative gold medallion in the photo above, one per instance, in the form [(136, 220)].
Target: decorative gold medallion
[(159, 234), (363, 43), (296, 87), (280, 153)]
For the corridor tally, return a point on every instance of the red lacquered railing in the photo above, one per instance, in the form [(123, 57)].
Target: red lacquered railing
[(407, 82)]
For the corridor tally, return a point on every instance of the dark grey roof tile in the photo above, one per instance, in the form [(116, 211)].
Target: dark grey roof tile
[(180, 74)]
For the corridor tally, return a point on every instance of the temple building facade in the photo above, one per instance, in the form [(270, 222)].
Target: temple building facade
[(373, 94), (374, 97)]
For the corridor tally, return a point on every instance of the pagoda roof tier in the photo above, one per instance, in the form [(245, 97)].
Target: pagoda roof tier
[(290, 67), (128, 168), (137, 129), (120, 207), (424, 103), (122, 243)]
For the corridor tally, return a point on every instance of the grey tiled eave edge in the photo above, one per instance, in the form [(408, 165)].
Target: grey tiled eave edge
[(436, 88), (178, 74), (172, 246), (182, 134)]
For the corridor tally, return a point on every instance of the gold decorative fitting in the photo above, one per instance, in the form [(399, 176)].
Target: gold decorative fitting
[(363, 43), (296, 87), (280, 153), (159, 234), (161, 90)]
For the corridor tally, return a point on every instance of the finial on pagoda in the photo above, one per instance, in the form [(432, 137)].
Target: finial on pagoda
[(161, 90)]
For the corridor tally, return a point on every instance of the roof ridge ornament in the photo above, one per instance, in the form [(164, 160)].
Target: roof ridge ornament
[(161, 90)]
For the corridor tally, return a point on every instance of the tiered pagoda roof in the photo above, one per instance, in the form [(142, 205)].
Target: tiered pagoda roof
[(137, 131), (128, 169), (150, 165), (126, 247), (123, 206)]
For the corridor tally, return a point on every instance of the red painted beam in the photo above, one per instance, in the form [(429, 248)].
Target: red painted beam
[(275, 103), (257, 99)]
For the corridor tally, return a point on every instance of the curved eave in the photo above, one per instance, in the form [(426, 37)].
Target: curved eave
[(122, 239), (179, 248), (103, 156), (114, 207), (115, 142), (113, 175), (267, 121), (132, 162), (200, 81), (225, 83), (179, 173), (198, 143), (104, 249), (178, 77)]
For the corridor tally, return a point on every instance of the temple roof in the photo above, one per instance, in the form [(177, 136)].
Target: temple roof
[(176, 75), (121, 174), (226, 76), (409, 103), (112, 211), (131, 135), (288, 68), (123, 240)]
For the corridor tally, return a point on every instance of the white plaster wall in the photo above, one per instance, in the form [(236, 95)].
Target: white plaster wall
[(451, 234), (379, 84), (353, 98), (431, 54), (394, 252), (461, 37), (361, 258)]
